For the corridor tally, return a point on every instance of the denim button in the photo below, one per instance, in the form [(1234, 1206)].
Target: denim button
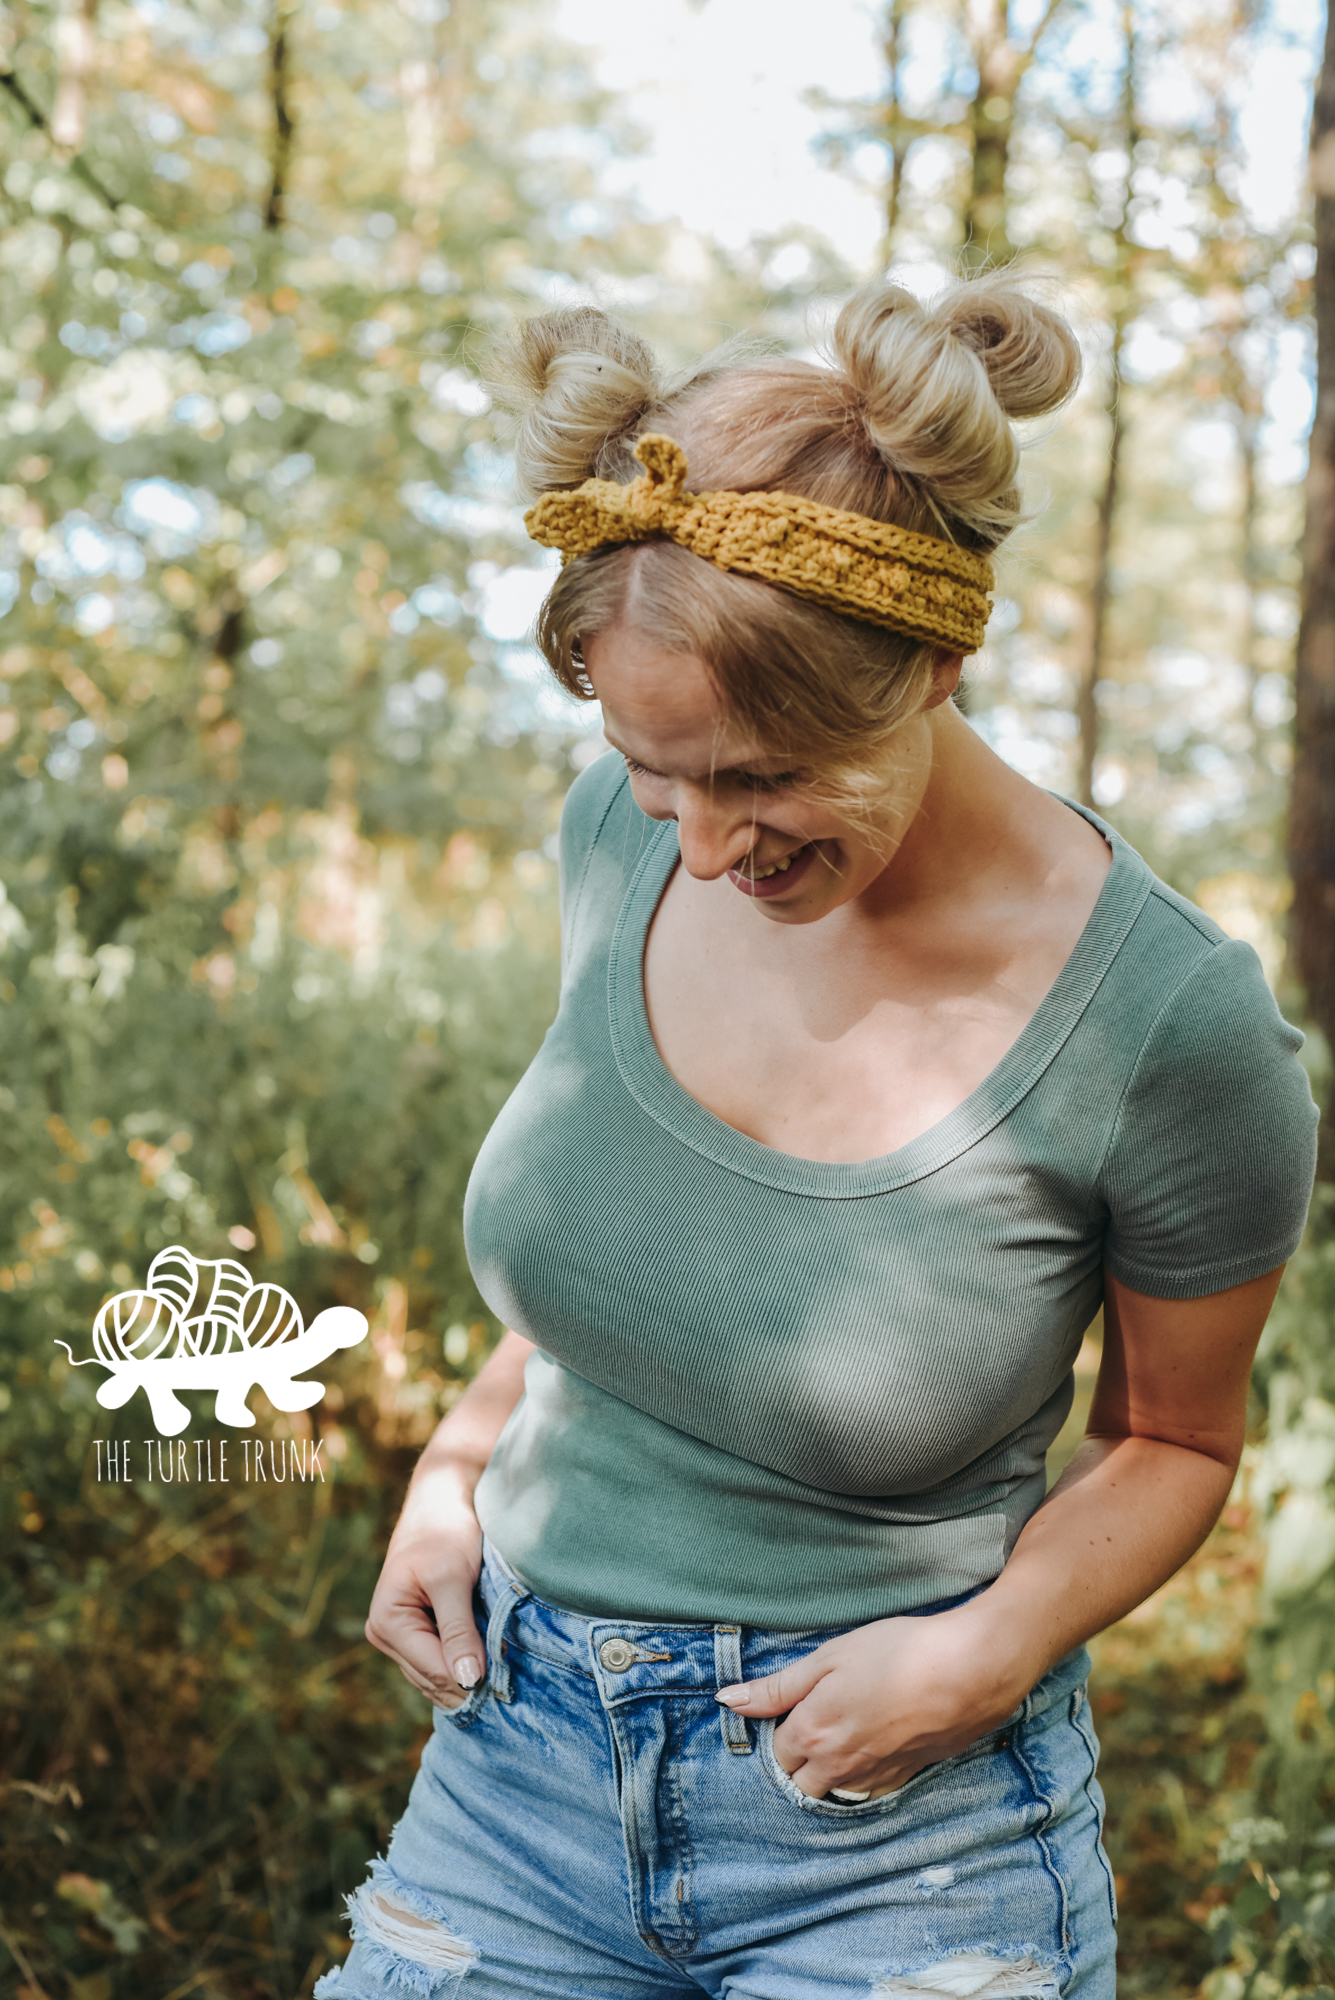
[(616, 1655)]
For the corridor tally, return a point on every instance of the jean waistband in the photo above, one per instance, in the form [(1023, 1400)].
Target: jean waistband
[(632, 1657)]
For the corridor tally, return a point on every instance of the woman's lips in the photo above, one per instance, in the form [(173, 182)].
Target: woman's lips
[(781, 881)]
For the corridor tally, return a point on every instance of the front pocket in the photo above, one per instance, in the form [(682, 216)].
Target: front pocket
[(837, 1808), (469, 1708)]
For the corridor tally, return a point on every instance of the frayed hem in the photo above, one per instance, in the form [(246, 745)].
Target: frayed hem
[(972, 1975)]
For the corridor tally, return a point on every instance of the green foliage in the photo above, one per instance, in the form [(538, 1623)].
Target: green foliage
[(252, 491), (1293, 1653), (189, 1657), (195, 1724), (216, 1751), (1180, 1732), (1276, 1930)]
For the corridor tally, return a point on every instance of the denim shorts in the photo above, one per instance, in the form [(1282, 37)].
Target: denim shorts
[(591, 1825)]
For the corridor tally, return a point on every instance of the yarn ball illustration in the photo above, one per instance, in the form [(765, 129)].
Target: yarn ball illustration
[(174, 1275), (268, 1316), (136, 1326)]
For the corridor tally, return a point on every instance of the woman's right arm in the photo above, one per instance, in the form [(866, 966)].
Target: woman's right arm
[(422, 1610)]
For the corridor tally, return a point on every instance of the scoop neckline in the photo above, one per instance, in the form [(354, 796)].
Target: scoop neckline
[(653, 1086)]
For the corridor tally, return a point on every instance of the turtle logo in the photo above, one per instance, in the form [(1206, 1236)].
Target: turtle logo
[(208, 1325)]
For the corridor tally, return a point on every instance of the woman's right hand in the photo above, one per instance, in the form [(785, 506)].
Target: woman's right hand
[(422, 1610)]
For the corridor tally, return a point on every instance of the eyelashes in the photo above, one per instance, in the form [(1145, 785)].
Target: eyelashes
[(777, 782)]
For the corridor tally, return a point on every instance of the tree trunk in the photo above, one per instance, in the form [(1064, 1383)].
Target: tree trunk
[(1091, 667), (1312, 815), (1091, 672), (280, 59), (999, 66), (896, 142)]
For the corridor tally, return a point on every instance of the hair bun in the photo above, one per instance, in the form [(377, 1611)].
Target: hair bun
[(939, 385), (1031, 356), (583, 383)]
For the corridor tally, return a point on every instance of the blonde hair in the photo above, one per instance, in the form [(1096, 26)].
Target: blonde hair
[(911, 423)]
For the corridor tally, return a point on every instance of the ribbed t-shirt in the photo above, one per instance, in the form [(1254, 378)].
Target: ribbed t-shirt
[(790, 1393)]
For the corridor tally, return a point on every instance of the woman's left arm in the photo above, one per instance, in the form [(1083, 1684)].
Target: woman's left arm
[(865, 1711)]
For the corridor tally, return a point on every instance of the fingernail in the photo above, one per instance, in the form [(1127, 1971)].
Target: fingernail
[(468, 1672), (731, 1697)]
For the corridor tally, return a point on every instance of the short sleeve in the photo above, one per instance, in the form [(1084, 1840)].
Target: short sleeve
[(1209, 1171)]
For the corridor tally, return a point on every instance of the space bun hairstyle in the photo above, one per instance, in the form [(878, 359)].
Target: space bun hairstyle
[(911, 422), (584, 383)]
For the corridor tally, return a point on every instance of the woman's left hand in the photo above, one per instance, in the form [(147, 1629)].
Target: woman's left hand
[(865, 1711)]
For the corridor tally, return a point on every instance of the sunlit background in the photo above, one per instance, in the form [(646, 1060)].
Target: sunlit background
[(730, 105), (280, 774)]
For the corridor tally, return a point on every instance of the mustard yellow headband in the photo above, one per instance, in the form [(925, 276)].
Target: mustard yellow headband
[(914, 584)]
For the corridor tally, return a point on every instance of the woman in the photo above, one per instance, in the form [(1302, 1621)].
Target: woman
[(876, 1070)]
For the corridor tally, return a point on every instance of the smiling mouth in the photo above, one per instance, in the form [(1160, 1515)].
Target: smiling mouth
[(779, 875), (778, 868)]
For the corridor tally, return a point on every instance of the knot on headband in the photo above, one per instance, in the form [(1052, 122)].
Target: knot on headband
[(917, 585)]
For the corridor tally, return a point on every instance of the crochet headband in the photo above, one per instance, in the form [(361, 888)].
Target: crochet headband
[(914, 584)]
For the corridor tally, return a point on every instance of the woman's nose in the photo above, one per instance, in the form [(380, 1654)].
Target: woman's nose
[(713, 836)]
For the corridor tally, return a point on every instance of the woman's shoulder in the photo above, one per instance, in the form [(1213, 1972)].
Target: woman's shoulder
[(599, 796), (1159, 945), (1194, 1006), (590, 798), (1195, 986)]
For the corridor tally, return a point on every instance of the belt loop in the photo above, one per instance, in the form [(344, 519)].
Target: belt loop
[(728, 1671), (498, 1667)]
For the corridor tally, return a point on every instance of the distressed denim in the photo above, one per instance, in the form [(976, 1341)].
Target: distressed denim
[(591, 1825)]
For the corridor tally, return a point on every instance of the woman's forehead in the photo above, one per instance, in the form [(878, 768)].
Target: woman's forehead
[(663, 709)]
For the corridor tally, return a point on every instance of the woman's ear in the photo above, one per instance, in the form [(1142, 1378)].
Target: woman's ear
[(945, 678)]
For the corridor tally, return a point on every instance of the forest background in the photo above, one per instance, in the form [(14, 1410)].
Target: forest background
[(279, 781)]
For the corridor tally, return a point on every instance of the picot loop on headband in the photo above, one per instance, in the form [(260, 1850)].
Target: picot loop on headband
[(914, 584)]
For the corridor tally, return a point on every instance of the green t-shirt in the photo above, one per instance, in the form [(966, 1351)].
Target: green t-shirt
[(792, 1393)]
